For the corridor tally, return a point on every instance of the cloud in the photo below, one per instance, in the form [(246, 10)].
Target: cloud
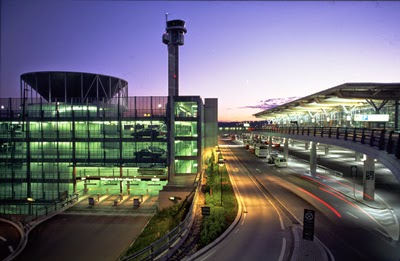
[(270, 103)]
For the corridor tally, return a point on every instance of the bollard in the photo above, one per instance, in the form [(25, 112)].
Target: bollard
[(91, 201), (98, 197), (136, 202)]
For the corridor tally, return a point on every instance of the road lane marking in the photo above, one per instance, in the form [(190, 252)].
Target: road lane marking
[(383, 233), (2, 238), (11, 249), (354, 216), (237, 230), (262, 192), (258, 170), (282, 249), (244, 217), (207, 256)]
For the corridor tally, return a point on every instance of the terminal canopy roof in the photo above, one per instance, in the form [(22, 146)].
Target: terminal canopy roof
[(347, 95)]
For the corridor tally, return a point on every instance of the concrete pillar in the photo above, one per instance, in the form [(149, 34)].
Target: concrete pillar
[(313, 159), (286, 149), (358, 156), (306, 145), (269, 144), (369, 178), (326, 150)]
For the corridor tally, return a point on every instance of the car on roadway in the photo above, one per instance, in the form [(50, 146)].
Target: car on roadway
[(280, 162)]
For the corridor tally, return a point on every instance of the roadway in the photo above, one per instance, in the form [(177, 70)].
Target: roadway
[(263, 232), (348, 227), (9, 239), (83, 232)]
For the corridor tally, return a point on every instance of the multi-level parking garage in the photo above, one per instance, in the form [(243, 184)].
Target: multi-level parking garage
[(73, 132)]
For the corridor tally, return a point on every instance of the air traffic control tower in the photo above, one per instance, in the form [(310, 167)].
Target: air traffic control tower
[(174, 36)]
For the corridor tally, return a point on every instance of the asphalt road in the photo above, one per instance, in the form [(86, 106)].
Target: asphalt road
[(9, 239), (263, 233), (350, 232), (83, 237)]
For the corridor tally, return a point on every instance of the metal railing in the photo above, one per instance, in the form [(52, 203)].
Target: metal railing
[(381, 139), (163, 248), (49, 209)]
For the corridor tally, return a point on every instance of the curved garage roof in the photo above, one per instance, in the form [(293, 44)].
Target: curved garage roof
[(67, 85)]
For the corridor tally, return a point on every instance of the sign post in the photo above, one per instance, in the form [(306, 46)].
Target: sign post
[(205, 211), (308, 224), (354, 175)]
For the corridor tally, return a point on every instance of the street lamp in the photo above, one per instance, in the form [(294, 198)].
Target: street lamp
[(30, 202), (221, 163)]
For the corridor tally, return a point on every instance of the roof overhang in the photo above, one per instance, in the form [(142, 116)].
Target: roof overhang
[(348, 95)]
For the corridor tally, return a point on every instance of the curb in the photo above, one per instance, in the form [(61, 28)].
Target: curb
[(21, 243), (207, 248)]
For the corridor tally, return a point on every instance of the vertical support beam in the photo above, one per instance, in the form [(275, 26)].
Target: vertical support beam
[(313, 159), (50, 87), (369, 179), (74, 179), (396, 114), (306, 145), (286, 149), (269, 144), (171, 137), (326, 150), (121, 181), (358, 156), (65, 87)]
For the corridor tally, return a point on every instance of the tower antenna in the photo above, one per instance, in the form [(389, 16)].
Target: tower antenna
[(166, 17)]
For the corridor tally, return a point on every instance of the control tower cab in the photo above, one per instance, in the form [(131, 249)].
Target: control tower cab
[(174, 32)]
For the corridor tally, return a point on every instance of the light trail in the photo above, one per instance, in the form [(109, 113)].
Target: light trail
[(323, 202)]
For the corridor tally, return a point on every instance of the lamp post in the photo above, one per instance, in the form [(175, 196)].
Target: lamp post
[(30, 202), (221, 163)]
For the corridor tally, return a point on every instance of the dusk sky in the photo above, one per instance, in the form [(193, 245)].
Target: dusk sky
[(240, 52)]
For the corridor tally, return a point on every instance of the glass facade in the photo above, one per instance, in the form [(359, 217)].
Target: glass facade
[(72, 132), (53, 149), (338, 116), (188, 138)]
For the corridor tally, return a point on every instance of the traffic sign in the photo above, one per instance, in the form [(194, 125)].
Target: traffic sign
[(308, 224), (205, 211), (369, 175)]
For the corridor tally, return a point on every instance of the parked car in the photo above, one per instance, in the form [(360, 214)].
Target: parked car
[(146, 153), (145, 133), (157, 150)]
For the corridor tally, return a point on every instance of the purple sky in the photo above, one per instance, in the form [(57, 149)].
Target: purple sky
[(237, 51)]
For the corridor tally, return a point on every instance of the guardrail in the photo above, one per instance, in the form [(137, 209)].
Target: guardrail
[(381, 139), (49, 209), (164, 248)]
